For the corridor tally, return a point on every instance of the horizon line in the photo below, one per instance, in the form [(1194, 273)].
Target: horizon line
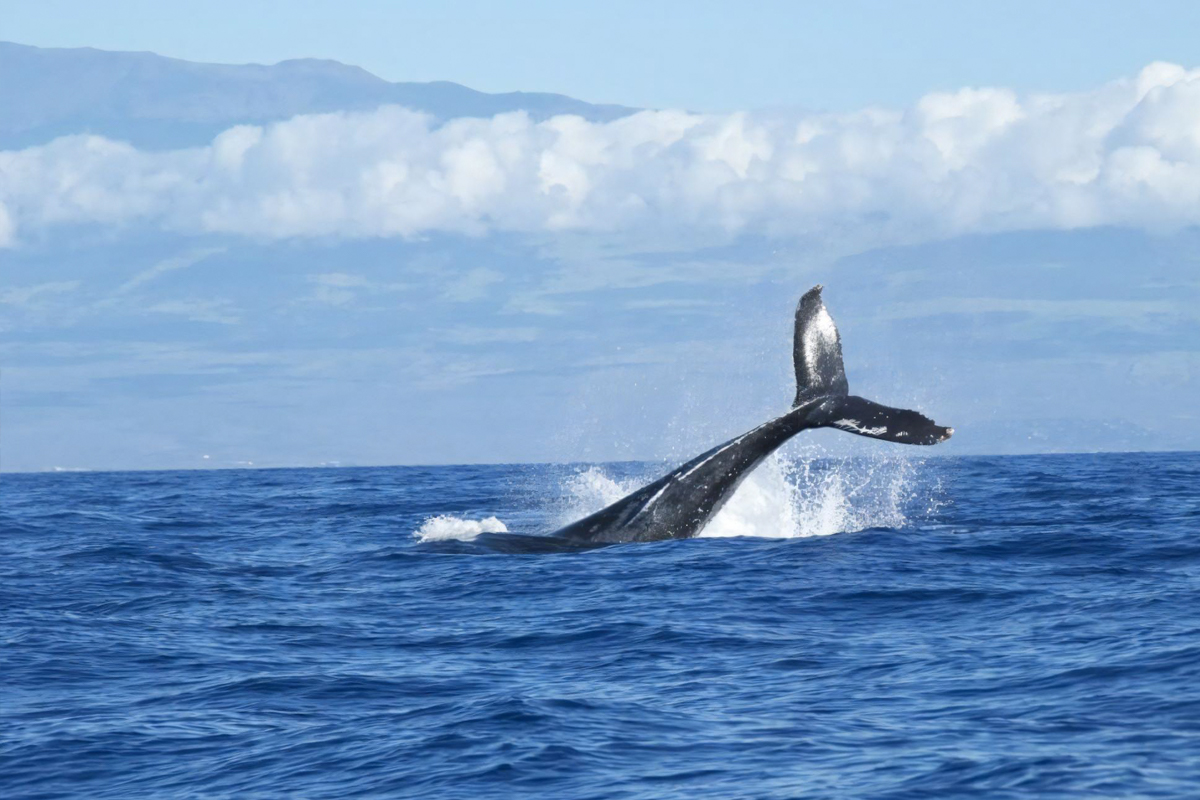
[(251, 468)]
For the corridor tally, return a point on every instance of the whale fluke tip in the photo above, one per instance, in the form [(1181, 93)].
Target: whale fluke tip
[(812, 295)]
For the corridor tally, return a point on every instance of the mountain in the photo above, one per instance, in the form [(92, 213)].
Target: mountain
[(156, 102)]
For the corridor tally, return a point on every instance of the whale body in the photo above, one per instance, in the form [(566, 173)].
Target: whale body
[(679, 504)]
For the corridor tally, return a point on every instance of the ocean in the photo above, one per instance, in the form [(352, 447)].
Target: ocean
[(889, 627)]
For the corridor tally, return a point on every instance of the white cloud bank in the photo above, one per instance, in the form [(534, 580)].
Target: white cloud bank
[(976, 160)]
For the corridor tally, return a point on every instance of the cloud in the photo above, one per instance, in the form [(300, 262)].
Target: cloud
[(171, 264), (340, 280), (1126, 311), (220, 312), (971, 161), (8, 229), (27, 295), (472, 285), (670, 305), (475, 335), (341, 288)]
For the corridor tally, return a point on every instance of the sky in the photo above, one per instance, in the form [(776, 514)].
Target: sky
[(1007, 227), (691, 54)]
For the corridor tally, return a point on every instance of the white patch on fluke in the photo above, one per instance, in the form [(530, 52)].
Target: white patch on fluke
[(855, 426), (820, 335), (444, 527)]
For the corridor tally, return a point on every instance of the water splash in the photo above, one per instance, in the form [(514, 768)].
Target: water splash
[(788, 496), (592, 489), (809, 495), (445, 526)]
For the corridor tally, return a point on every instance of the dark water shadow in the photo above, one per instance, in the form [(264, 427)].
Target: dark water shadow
[(511, 543)]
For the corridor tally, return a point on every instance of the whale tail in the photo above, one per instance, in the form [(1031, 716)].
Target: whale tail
[(821, 375), (817, 351)]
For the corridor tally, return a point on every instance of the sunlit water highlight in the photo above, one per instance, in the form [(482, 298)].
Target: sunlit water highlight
[(996, 627)]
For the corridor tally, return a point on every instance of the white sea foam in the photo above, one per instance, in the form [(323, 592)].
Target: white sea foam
[(444, 526)]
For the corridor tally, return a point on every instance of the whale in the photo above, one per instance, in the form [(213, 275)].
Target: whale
[(679, 504)]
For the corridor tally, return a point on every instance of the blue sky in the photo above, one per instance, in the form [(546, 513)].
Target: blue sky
[(697, 55), (1004, 208)]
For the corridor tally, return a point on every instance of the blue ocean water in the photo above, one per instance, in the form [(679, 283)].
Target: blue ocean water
[(953, 627)]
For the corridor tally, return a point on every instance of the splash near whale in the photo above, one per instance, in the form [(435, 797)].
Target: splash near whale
[(679, 504)]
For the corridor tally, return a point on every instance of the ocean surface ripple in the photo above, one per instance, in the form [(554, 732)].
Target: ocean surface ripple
[(953, 627)]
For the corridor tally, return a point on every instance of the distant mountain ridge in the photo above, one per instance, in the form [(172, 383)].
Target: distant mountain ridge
[(157, 102)]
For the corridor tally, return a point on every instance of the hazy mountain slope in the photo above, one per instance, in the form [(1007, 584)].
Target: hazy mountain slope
[(154, 101)]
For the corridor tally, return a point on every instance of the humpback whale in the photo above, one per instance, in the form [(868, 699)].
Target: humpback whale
[(679, 504)]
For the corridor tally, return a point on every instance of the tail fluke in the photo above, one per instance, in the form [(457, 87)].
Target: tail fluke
[(866, 418), (817, 355), (817, 351)]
